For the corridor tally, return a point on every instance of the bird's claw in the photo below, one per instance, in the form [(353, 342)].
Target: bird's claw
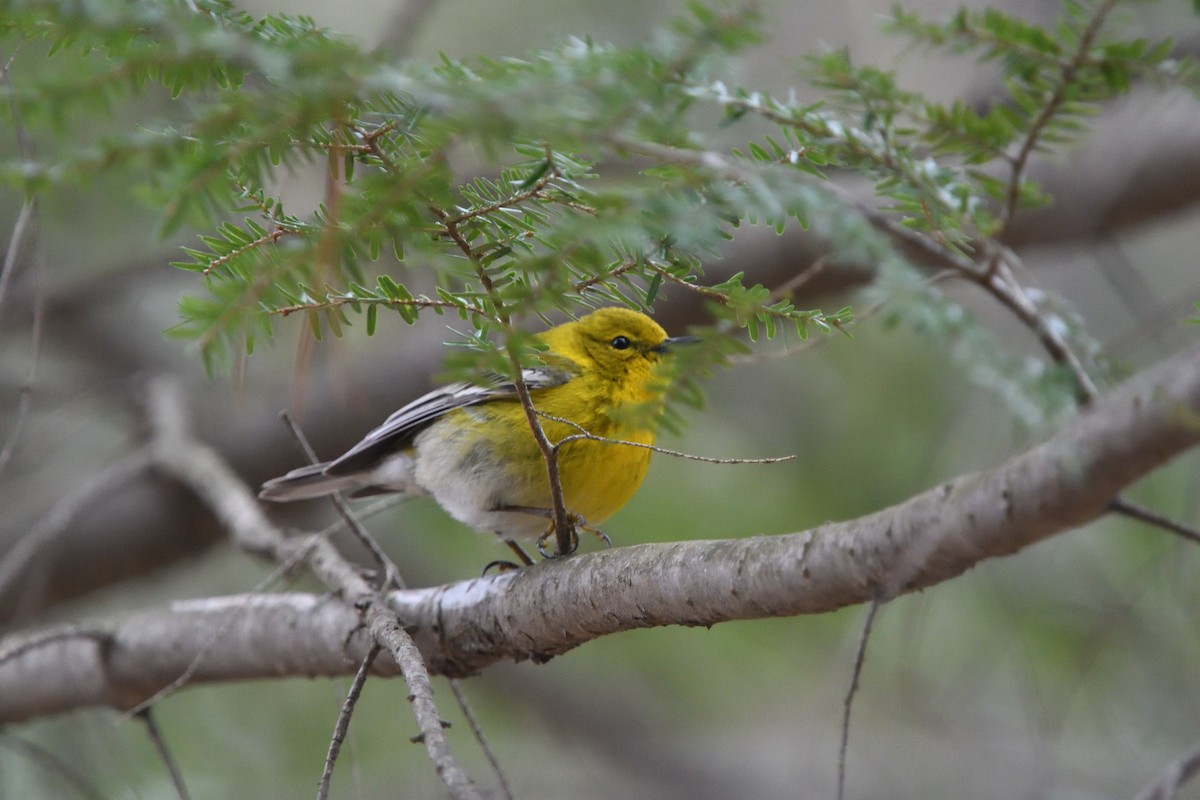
[(501, 565), (577, 523)]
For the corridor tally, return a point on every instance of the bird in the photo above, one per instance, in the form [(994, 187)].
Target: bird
[(598, 392)]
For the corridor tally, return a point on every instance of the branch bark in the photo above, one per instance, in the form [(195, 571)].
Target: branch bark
[(546, 610)]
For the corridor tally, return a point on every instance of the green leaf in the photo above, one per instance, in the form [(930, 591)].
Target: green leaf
[(652, 289)]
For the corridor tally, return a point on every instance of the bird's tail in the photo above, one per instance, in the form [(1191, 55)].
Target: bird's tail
[(306, 483)]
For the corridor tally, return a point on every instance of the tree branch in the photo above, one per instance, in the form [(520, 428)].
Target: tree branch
[(1065, 482), (546, 610)]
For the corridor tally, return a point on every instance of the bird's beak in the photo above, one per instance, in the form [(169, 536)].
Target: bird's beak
[(674, 341)]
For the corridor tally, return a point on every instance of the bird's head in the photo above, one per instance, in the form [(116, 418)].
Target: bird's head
[(615, 341)]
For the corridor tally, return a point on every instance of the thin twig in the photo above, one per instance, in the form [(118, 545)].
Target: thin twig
[(1134, 511), (788, 287), (25, 218), (391, 575), (532, 192), (860, 316), (998, 281), (285, 566), (583, 285), (378, 507), (336, 301), (50, 762), (16, 561), (164, 752), (1004, 287), (270, 237), (1177, 773), (563, 527), (847, 704), (1033, 136), (24, 227), (460, 697), (343, 720), (25, 400), (584, 435), (386, 630)]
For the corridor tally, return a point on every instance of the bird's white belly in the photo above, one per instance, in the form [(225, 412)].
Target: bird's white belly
[(471, 484)]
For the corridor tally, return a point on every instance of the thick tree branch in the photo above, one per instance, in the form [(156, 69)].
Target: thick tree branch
[(1065, 482), (548, 609), (235, 638)]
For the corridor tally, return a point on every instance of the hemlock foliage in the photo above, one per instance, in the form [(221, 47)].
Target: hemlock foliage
[(569, 177)]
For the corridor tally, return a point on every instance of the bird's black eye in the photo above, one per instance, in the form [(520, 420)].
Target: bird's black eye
[(620, 343)]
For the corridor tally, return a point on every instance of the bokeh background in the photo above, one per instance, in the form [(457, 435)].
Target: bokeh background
[(1067, 671)]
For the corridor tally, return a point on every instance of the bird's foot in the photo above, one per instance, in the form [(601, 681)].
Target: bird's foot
[(577, 523)]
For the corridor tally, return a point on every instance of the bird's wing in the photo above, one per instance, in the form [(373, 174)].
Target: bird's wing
[(397, 430)]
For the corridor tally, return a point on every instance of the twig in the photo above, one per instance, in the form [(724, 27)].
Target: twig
[(378, 507), (563, 527), (343, 720), (1002, 285), (391, 575), (25, 400), (285, 566), (164, 752), (1057, 98), (532, 192), (464, 705), (998, 281), (26, 223), (26, 217), (716, 295), (1134, 511), (847, 704), (270, 237), (591, 437), (788, 287), (385, 629), (337, 301), (1177, 773), (16, 561), (860, 316), (50, 762), (583, 285)]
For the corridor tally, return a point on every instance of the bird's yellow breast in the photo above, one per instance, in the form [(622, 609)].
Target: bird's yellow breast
[(598, 478)]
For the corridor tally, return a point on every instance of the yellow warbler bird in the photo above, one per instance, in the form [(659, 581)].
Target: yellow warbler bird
[(471, 448)]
